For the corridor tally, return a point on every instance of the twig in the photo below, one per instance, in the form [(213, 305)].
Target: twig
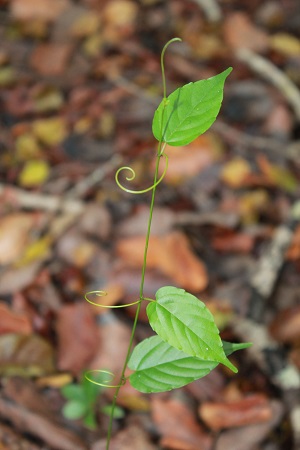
[(269, 71), (54, 435), (211, 9), (70, 202)]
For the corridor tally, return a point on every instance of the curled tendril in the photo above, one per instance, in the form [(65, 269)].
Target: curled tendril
[(132, 176), (103, 383), (102, 294)]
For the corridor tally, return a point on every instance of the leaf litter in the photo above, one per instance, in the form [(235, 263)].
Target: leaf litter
[(79, 83)]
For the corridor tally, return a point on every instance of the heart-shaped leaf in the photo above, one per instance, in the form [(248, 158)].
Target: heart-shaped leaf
[(189, 111), (183, 321), (160, 367)]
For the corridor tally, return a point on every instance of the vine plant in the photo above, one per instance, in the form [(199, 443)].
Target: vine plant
[(187, 345)]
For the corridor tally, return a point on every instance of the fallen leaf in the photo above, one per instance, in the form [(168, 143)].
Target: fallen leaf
[(12, 322), (78, 337), (240, 32), (252, 409), (13, 280), (36, 251), (88, 23), (178, 426), (234, 242), (249, 437), (27, 147), (252, 204), (293, 252), (132, 437), (51, 59), (120, 13), (50, 131), (96, 221), (76, 249), (285, 327), (14, 236), (47, 99), (171, 254), (25, 356), (277, 175), (7, 76), (235, 172), (44, 10), (34, 173), (285, 43)]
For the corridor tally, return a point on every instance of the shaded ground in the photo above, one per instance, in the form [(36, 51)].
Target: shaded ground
[(80, 81)]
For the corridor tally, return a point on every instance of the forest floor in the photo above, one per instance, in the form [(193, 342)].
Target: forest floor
[(79, 83)]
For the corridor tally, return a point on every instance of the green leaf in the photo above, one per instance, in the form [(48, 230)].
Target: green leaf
[(90, 420), (189, 111), (74, 410), (160, 367), (92, 390), (183, 321), (119, 413), (73, 392)]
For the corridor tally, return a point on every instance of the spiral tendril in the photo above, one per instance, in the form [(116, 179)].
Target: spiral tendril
[(104, 383), (102, 294), (133, 175)]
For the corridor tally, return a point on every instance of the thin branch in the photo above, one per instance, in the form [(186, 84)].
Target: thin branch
[(269, 71)]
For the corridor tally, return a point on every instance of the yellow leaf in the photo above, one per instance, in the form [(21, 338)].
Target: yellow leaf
[(235, 172), (286, 44), (86, 25), (34, 173), (50, 131), (35, 251), (27, 147)]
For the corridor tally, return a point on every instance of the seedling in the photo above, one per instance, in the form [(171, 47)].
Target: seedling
[(82, 401), (187, 345)]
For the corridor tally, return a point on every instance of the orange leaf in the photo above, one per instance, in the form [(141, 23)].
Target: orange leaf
[(253, 409), (171, 254)]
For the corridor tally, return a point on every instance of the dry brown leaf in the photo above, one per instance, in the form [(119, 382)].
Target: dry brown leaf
[(43, 10), (233, 242), (132, 437), (14, 236), (286, 326), (171, 254), (51, 59), (253, 409), (78, 337), (248, 437), (12, 322), (293, 252), (178, 426), (240, 32), (25, 356)]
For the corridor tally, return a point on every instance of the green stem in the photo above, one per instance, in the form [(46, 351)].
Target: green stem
[(141, 298), (122, 377)]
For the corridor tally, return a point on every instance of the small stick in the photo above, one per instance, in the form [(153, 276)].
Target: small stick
[(269, 71)]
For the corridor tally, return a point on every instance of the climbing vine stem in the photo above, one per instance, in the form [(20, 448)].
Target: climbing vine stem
[(156, 181)]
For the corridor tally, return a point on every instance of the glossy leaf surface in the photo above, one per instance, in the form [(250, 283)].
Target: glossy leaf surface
[(183, 321), (160, 367), (189, 111)]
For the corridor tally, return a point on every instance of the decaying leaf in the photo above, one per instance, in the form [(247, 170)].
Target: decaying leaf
[(253, 409), (171, 254), (25, 356)]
